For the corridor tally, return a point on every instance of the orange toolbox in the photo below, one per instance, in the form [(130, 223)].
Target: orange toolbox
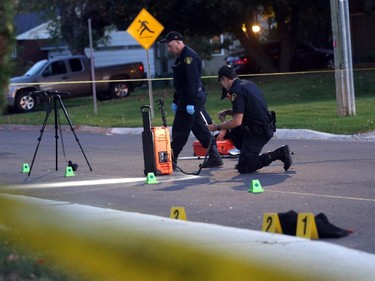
[(223, 146), (162, 150), (156, 146)]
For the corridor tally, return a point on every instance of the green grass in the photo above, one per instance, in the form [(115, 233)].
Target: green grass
[(301, 101), (23, 265)]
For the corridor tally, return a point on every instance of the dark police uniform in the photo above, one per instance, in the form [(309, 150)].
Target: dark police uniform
[(257, 126), (189, 90)]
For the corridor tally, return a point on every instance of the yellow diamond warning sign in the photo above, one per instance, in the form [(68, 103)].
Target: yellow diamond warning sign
[(145, 29)]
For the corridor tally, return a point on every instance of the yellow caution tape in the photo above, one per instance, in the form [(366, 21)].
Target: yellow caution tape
[(119, 253)]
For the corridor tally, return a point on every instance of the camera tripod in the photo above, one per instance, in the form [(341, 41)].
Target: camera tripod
[(54, 99)]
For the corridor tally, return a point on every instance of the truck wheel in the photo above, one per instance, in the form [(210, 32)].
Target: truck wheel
[(25, 102), (120, 90)]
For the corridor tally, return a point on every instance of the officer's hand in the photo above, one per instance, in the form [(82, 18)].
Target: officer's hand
[(174, 107), (221, 135), (212, 127), (190, 109)]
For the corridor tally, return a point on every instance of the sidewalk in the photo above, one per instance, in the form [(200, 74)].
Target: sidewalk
[(280, 133)]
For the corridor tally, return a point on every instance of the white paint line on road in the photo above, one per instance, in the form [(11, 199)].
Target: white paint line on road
[(98, 182), (323, 195)]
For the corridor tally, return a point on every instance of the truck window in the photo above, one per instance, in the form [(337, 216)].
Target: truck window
[(55, 68), (75, 65)]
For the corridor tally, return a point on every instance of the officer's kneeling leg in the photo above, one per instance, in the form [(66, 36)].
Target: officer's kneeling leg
[(250, 160), (247, 163)]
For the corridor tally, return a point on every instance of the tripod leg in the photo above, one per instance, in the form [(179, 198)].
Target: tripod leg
[(72, 129), (41, 135)]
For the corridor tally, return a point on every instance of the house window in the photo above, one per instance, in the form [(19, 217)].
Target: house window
[(216, 42)]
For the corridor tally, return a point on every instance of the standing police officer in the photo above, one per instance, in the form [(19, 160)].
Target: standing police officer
[(189, 100), (251, 126)]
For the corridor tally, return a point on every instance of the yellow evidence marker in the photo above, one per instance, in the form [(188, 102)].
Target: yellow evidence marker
[(271, 223), (306, 226), (178, 213)]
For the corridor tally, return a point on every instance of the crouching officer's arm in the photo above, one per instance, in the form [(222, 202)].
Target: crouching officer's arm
[(222, 114), (232, 123)]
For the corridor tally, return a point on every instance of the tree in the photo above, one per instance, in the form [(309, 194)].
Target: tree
[(68, 19), (6, 44), (210, 17), (213, 17), (193, 18)]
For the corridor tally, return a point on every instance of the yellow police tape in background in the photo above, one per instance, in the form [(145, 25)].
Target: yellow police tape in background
[(103, 250)]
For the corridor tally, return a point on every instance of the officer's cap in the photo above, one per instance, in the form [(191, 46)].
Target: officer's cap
[(173, 35), (226, 71)]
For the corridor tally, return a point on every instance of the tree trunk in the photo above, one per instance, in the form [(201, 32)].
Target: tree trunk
[(72, 29), (287, 23), (254, 50)]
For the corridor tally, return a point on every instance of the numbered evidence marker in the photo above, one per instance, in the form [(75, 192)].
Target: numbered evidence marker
[(306, 226), (271, 223), (178, 213)]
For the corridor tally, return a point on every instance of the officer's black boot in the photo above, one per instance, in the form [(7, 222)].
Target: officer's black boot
[(174, 161), (282, 154), (214, 159)]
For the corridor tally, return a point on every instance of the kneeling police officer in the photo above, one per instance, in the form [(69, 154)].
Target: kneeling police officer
[(252, 125)]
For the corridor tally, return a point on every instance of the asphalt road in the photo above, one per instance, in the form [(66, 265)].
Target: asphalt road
[(335, 177)]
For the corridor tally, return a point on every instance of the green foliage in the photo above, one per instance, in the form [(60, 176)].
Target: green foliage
[(6, 45), (202, 46), (69, 19), (201, 19), (21, 264)]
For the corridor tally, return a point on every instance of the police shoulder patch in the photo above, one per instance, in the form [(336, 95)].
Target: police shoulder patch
[(188, 60)]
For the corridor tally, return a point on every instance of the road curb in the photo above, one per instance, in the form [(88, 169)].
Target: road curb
[(280, 133)]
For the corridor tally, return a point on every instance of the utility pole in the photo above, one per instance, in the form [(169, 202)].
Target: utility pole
[(343, 58), (92, 62)]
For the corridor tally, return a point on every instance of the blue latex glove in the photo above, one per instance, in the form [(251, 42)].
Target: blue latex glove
[(190, 109), (174, 107)]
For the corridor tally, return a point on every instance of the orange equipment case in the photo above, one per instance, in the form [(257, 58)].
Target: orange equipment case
[(156, 146), (162, 151), (223, 146)]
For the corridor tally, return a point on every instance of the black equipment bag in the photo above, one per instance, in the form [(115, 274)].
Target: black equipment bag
[(148, 141)]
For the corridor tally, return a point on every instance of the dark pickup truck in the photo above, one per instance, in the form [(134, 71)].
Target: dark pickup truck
[(72, 75)]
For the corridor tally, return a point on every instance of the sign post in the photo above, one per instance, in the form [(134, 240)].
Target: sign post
[(146, 29)]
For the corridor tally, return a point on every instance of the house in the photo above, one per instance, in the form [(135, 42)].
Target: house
[(33, 45), (30, 40)]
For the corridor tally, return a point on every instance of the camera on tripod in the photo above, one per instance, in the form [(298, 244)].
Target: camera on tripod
[(46, 95), (50, 93), (73, 165), (53, 100)]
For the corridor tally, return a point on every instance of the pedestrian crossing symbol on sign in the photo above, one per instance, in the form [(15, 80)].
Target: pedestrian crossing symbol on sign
[(145, 29)]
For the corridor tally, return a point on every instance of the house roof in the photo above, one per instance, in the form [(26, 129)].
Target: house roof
[(27, 21), (38, 32)]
